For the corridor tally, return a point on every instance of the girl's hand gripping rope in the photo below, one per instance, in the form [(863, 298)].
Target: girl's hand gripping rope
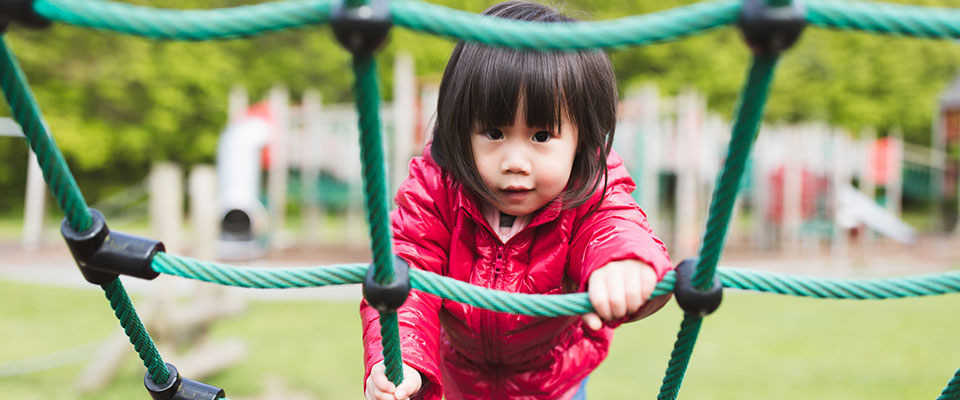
[(379, 386), (617, 290)]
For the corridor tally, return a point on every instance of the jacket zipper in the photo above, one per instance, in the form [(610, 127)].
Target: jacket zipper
[(494, 346)]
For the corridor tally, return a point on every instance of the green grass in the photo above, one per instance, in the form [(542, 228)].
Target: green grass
[(756, 346)]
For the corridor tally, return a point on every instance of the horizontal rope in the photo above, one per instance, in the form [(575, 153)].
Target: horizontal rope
[(635, 30), (225, 23), (885, 18), (167, 24), (553, 305), (232, 22)]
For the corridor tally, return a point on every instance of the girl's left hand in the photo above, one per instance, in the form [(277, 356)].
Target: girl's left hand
[(618, 289)]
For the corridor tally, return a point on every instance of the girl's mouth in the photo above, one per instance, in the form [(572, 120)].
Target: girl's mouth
[(515, 194)]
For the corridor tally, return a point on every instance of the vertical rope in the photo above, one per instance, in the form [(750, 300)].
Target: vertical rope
[(375, 201), (70, 199), (27, 113), (139, 338), (952, 391), (750, 113), (680, 357)]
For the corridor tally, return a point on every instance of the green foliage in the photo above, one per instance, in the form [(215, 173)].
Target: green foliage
[(117, 103)]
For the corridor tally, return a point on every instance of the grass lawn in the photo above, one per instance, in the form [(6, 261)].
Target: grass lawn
[(755, 347)]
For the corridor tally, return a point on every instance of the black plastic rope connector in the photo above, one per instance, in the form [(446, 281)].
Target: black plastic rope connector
[(771, 29), (692, 300), (180, 388), (389, 297), (20, 11), (103, 255), (361, 30)]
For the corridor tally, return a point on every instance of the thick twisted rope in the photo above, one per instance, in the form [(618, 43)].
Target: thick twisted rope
[(952, 391), (636, 30), (367, 98), (680, 357), (27, 113), (70, 199), (156, 23), (749, 115), (241, 21), (884, 18), (139, 338), (554, 305), (166, 24)]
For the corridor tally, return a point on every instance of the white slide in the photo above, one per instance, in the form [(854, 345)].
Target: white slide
[(856, 208)]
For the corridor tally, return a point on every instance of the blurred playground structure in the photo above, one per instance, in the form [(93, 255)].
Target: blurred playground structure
[(288, 170)]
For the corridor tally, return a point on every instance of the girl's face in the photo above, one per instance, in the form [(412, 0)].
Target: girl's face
[(525, 167)]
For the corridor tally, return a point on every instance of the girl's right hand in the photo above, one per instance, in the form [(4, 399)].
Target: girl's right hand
[(379, 386)]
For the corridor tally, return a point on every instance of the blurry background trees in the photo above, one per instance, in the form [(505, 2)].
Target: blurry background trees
[(116, 103)]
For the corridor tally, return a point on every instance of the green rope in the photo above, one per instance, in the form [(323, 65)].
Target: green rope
[(139, 338), (749, 114), (630, 31), (27, 113), (925, 22), (680, 357), (241, 21), (952, 391), (367, 97), (554, 305), (167, 24), (155, 23)]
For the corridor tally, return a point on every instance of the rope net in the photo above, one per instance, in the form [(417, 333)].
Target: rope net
[(244, 21)]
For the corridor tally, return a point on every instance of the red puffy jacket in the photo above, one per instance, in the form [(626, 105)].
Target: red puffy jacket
[(466, 352)]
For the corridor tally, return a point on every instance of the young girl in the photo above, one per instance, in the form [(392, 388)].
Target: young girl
[(518, 192)]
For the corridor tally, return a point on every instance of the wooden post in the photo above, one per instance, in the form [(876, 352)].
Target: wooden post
[(688, 128), (277, 175), (404, 119), (759, 197), (34, 205), (792, 189), (868, 185), (204, 211), (166, 204), (647, 153), (312, 148), (840, 178), (894, 189), (428, 112)]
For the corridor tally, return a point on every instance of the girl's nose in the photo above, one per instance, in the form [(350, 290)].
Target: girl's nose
[(515, 163)]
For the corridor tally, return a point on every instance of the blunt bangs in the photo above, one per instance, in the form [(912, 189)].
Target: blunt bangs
[(483, 86), (504, 77)]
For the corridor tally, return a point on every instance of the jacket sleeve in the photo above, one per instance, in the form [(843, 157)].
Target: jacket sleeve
[(421, 237), (614, 230)]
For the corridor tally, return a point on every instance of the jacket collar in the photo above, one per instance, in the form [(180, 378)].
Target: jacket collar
[(469, 204)]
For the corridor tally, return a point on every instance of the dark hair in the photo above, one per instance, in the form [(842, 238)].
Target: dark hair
[(482, 86)]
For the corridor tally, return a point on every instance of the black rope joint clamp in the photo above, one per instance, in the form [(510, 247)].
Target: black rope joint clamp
[(770, 29), (20, 11), (388, 297), (102, 255), (362, 29), (180, 388), (692, 300)]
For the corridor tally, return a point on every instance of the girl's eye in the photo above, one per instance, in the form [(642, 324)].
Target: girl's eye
[(494, 134), (541, 136)]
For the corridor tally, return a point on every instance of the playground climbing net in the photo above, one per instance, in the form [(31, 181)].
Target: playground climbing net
[(769, 27)]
